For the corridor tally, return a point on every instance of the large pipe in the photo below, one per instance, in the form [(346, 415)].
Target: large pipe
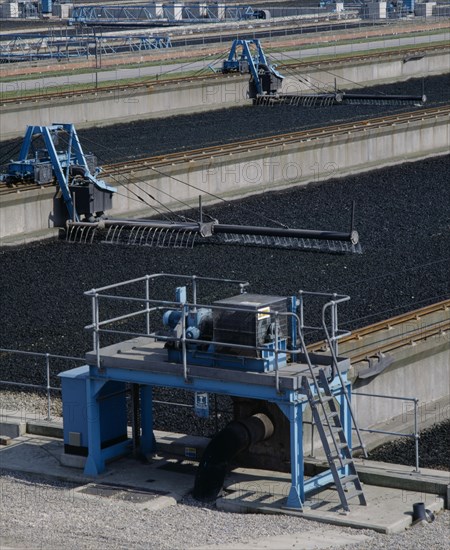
[(220, 228), (351, 236), (237, 436), (387, 97)]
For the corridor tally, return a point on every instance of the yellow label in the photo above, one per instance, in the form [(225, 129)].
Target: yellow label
[(263, 313)]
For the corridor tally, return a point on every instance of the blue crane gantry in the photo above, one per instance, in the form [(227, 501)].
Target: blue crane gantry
[(84, 194)]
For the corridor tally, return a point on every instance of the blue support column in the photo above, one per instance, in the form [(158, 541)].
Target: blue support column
[(95, 463), (294, 411), (31, 130), (148, 442)]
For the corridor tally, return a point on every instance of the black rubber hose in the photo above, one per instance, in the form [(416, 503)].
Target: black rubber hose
[(237, 436)]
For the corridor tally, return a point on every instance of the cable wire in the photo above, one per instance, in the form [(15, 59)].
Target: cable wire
[(213, 195), (146, 192)]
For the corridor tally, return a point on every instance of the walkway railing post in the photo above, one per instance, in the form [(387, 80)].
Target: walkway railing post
[(416, 434), (49, 404), (147, 302)]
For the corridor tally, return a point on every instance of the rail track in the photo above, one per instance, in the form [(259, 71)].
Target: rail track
[(154, 82), (171, 159), (275, 141), (394, 333)]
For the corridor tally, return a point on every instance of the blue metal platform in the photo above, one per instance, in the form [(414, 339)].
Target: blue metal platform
[(139, 361), (293, 384)]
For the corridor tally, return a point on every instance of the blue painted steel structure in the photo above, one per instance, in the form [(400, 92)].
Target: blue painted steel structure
[(22, 48), (174, 14), (408, 5), (47, 6), (248, 56), (143, 361), (69, 166)]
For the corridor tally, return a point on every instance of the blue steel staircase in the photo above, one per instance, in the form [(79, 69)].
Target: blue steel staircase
[(328, 419), (338, 453)]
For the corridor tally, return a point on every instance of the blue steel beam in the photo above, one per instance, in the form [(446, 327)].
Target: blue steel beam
[(292, 403)]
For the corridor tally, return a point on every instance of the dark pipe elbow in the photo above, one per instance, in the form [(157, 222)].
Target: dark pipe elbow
[(237, 436)]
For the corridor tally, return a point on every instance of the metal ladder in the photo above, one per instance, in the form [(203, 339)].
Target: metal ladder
[(328, 424)]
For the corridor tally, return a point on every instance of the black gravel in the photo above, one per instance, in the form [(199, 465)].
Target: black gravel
[(434, 446), (402, 216), (185, 132)]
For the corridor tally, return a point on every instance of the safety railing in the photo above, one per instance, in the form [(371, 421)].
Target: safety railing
[(47, 387), (147, 305), (415, 435)]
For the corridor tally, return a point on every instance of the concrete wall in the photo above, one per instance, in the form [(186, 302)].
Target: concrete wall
[(352, 75), (125, 104), (278, 167), (250, 172), (419, 371), (159, 100)]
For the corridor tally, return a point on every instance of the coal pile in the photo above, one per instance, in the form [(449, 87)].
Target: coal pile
[(404, 223), (434, 445)]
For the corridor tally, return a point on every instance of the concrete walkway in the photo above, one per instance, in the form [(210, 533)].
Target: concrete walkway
[(167, 476)]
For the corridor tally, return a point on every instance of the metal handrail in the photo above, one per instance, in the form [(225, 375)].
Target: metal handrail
[(47, 387), (414, 435), (50, 388), (100, 326), (333, 345)]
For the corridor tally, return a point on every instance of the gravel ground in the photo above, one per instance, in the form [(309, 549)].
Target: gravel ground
[(56, 520), (158, 136)]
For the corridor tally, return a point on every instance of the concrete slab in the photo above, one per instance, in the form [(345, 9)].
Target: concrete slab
[(154, 484), (168, 475), (13, 429), (397, 476), (17, 423), (34, 236), (311, 540), (388, 510)]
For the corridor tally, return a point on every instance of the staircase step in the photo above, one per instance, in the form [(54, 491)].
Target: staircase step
[(354, 494), (344, 461), (348, 479), (336, 429), (325, 399)]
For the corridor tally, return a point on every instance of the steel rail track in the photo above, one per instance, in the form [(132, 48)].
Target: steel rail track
[(251, 145), (152, 83), (274, 141), (428, 327)]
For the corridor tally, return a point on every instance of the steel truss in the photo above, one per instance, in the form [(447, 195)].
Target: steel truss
[(51, 47)]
